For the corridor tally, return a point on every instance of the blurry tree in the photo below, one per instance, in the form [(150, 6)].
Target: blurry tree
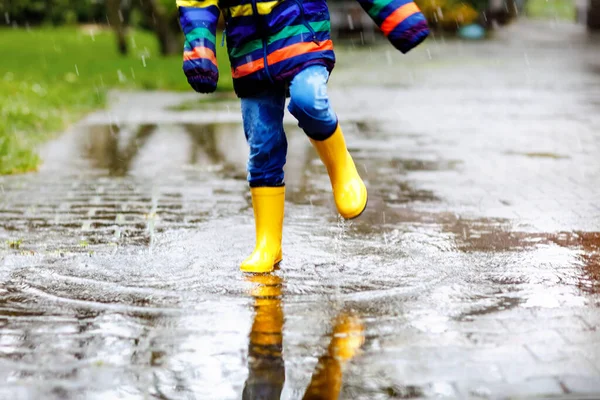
[(593, 15), (55, 12), (116, 17), (158, 15)]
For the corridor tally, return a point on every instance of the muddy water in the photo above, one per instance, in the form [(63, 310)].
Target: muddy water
[(473, 272)]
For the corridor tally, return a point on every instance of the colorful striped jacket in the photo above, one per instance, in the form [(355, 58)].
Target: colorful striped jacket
[(270, 41)]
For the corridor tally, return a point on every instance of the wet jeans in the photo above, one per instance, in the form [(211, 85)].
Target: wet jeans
[(263, 123)]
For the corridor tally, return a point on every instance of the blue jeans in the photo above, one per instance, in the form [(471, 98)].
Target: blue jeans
[(263, 123)]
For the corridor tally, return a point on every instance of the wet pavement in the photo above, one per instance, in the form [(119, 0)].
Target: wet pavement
[(474, 272)]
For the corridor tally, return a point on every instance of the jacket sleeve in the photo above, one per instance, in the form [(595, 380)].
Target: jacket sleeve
[(401, 21), (198, 20)]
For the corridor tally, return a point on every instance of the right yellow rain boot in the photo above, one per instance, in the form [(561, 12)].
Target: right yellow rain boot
[(349, 190), (268, 204)]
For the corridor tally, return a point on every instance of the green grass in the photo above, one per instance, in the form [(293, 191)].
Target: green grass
[(51, 77), (551, 9)]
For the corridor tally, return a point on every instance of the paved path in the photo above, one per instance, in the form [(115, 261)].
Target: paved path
[(474, 273)]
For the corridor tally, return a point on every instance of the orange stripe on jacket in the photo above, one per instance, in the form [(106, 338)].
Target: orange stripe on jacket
[(200, 52), (280, 55), (395, 18)]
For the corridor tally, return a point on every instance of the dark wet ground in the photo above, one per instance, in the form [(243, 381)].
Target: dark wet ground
[(475, 271)]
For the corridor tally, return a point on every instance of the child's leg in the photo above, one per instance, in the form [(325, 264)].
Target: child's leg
[(310, 105), (263, 126)]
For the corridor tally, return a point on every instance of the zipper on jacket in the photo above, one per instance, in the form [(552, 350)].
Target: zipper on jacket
[(305, 22), (261, 29)]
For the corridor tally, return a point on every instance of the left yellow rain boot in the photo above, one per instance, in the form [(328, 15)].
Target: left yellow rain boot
[(349, 190), (268, 203)]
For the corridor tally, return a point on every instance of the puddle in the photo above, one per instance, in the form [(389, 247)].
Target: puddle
[(120, 276)]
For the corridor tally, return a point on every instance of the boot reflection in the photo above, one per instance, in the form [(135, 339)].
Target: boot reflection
[(347, 339), (266, 369)]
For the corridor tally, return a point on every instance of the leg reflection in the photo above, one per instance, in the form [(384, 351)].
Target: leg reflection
[(266, 369), (347, 339)]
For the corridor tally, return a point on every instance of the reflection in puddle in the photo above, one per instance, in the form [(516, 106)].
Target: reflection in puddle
[(113, 148), (266, 369), (347, 339)]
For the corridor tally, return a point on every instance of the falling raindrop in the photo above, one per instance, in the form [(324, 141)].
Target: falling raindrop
[(121, 76), (76, 70), (7, 18), (144, 61)]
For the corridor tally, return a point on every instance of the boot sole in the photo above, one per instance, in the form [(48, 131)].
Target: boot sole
[(275, 268)]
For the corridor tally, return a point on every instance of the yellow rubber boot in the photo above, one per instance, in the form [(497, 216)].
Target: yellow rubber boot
[(267, 203), (349, 190)]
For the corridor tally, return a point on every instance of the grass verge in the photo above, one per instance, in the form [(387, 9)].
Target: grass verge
[(551, 9), (51, 77)]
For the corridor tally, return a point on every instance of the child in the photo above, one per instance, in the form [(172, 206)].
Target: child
[(280, 48)]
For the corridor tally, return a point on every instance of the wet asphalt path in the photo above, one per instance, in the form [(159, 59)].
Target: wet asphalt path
[(474, 273)]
